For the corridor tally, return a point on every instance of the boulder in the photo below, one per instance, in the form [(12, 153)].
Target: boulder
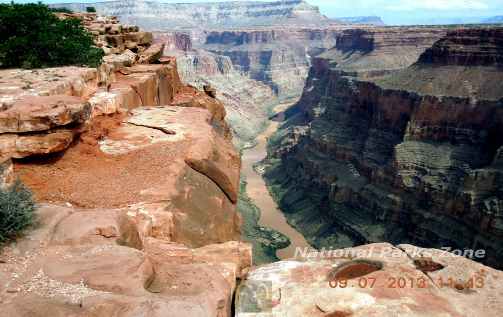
[(118, 61), (152, 54), (24, 145), (169, 80), (142, 38)]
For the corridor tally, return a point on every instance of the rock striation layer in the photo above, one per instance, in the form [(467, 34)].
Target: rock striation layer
[(278, 57), (246, 101), (397, 157), (164, 16)]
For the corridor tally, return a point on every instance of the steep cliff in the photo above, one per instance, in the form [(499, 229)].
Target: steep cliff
[(367, 157), (270, 42), (278, 57), (246, 100)]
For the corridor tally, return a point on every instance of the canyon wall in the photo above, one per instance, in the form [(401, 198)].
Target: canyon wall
[(280, 58), (412, 155), (246, 101), (269, 42), (158, 16)]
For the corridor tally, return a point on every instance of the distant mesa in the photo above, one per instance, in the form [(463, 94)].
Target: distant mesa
[(163, 16)]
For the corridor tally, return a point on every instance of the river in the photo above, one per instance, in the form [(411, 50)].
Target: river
[(271, 216)]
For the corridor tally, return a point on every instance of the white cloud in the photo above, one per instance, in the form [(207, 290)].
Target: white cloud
[(410, 5)]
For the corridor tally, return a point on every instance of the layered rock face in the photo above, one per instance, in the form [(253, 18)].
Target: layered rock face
[(279, 58), (137, 182), (466, 47), (174, 41), (373, 280), (164, 16), (270, 42), (246, 101), (397, 158)]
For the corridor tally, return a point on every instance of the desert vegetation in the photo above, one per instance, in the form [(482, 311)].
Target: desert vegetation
[(31, 36), (16, 210)]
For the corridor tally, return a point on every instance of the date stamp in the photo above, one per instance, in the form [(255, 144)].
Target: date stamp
[(400, 282)]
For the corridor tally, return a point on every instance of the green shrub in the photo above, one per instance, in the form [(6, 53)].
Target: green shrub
[(16, 211), (90, 9), (31, 36)]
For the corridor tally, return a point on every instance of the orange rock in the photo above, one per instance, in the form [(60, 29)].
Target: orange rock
[(40, 113), (151, 54), (23, 145)]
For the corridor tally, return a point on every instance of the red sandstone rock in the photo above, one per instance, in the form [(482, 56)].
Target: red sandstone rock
[(23, 145), (61, 268), (37, 113), (136, 193), (301, 287)]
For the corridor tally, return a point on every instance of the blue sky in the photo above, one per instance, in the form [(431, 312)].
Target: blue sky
[(394, 11)]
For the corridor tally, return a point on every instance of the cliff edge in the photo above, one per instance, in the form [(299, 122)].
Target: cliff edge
[(136, 181)]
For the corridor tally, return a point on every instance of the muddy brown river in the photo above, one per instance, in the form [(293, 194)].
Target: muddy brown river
[(271, 216)]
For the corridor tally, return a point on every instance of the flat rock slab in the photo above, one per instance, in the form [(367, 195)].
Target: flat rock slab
[(24, 145), (60, 269), (406, 281), (41, 113), (208, 153), (70, 80)]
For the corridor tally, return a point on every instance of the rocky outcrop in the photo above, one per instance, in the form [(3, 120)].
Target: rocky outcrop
[(41, 111), (110, 35), (392, 158), (372, 280), (164, 16), (137, 183), (45, 117), (102, 262)]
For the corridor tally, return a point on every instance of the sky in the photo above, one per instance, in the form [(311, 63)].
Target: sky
[(393, 11)]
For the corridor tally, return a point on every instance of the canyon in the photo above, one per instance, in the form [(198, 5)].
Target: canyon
[(404, 150), (251, 52), (179, 177)]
